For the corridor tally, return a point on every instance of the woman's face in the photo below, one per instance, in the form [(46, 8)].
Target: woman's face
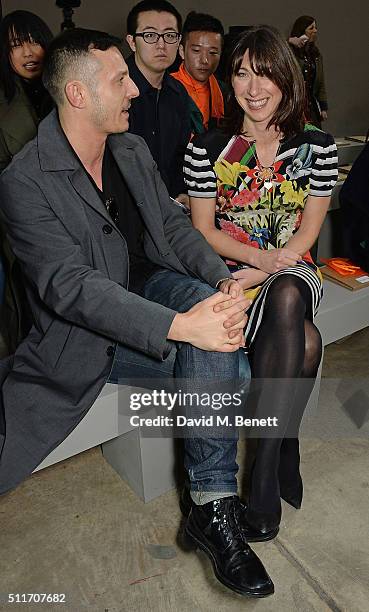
[(257, 95), (26, 58), (311, 31)]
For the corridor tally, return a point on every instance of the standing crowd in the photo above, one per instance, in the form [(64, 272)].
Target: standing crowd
[(107, 278)]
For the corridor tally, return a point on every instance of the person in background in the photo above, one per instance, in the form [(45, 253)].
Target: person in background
[(23, 103), (259, 192), (302, 41), (354, 204), (200, 49), (23, 99), (160, 114)]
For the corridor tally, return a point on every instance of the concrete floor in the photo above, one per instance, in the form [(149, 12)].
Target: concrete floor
[(77, 528)]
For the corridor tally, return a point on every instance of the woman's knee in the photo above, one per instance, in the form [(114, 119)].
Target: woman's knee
[(287, 294)]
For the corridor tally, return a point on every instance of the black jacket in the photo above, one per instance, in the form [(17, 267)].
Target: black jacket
[(162, 118)]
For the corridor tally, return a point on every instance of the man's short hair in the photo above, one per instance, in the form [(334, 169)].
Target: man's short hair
[(68, 57), (161, 6), (201, 22)]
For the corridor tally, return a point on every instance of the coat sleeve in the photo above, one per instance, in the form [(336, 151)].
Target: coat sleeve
[(177, 181), (190, 246), (320, 90), (5, 156), (60, 273)]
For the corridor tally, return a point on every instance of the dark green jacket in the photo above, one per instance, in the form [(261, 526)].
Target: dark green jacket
[(18, 125), (319, 90)]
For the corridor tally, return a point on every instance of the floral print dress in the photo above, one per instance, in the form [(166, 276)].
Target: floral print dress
[(263, 207)]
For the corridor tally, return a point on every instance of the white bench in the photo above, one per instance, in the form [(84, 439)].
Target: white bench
[(147, 464)]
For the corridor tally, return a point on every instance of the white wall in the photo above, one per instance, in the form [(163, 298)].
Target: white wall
[(343, 36)]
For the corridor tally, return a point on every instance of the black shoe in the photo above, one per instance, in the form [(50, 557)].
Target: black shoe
[(292, 494), (251, 532), (185, 501), (266, 524), (214, 527), (290, 481), (259, 527)]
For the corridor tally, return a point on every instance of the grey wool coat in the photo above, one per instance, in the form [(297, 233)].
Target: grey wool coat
[(76, 265)]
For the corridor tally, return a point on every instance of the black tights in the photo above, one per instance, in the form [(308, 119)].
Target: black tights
[(287, 346)]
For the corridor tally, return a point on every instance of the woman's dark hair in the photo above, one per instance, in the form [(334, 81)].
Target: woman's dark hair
[(298, 29), (270, 56), (22, 26)]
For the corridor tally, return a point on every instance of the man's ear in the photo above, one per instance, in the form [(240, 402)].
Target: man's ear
[(75, 93), (181, 51), (131, 41)]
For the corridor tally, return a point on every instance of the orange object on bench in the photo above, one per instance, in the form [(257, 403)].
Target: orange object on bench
[(343, 266)]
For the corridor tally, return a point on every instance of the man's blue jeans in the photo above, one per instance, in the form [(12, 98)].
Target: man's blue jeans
[(210, 462)]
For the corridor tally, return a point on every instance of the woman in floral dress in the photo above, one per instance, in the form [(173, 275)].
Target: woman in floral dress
[(259, 191)]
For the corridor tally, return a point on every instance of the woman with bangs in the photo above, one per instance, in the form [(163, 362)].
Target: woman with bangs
[(23, 99), (23, 103), (259, 190)]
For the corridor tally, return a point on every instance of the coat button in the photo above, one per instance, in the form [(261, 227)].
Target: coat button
[(107, 229), (110, 351)]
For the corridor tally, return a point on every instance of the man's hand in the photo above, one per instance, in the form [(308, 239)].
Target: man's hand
[(234, 290), (324, 115), (204, 326), (275, 260)]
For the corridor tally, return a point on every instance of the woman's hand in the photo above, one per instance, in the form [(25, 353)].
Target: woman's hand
[(230, 287), (298, 41), (275, 260), (249, 277)]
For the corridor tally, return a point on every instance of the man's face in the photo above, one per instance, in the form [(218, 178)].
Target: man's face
[(111, 97), (159, 56), (201, 54)]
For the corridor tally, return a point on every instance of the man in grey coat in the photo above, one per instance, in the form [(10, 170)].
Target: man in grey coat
[(88, 217)]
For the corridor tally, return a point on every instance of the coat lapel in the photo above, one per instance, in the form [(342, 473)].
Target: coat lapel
[(83, 186), (126, 158), (134, 173)]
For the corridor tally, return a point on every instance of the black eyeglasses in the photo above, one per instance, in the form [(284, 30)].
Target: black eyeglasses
[(152, 37)]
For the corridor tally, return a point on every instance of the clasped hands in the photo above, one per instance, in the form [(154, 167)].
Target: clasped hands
[(216, 323)]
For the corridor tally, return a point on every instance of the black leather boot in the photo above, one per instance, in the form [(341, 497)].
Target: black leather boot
[(215, 528), (251, 533), (290, 481)]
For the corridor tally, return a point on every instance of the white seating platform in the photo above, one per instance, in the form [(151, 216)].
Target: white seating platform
[(147, 464)]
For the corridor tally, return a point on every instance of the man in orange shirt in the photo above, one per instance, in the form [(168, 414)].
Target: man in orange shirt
[(200, 49)]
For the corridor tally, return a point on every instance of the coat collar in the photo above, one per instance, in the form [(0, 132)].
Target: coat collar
[(143, 84), (56, 154)]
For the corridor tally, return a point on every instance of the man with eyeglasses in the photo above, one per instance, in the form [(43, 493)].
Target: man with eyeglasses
[(161, 113)]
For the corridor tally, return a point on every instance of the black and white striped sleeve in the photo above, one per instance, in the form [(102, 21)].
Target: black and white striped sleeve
[(198, 172), (324, 172)]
